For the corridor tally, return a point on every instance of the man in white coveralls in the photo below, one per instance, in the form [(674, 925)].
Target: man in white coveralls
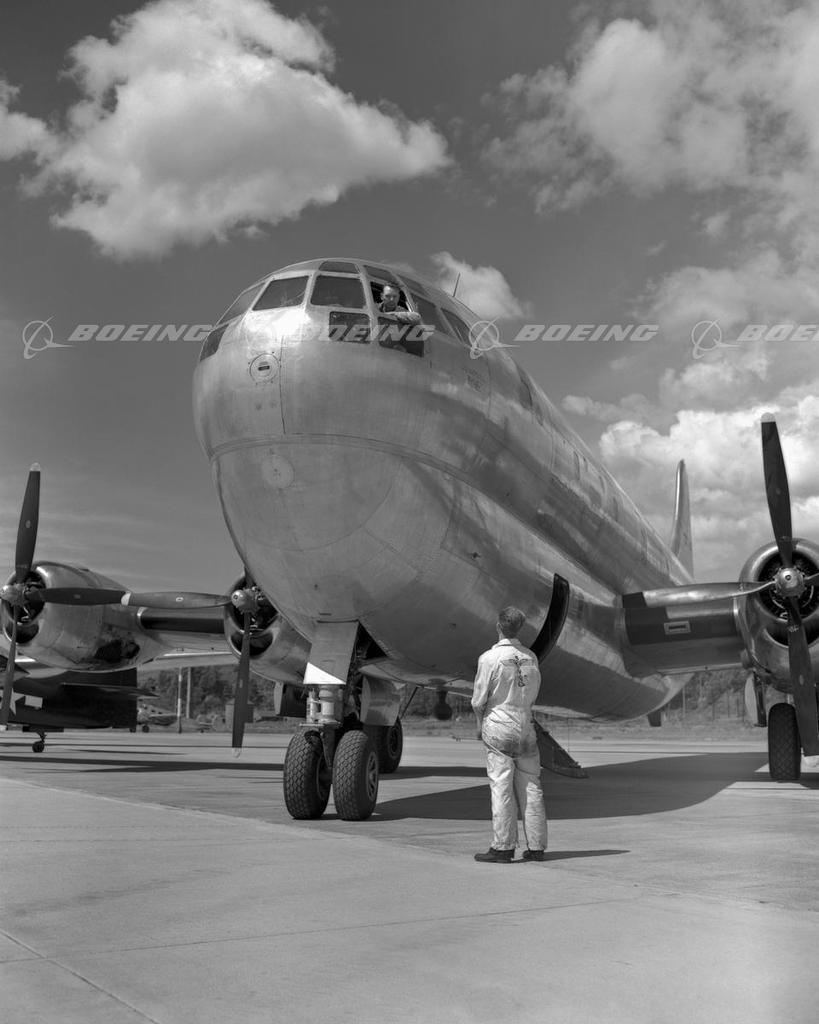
[(506, 687)]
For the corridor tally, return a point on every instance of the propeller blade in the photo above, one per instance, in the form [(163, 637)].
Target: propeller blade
[(77, 595), (169, 600), (699, 592), (776, 489), (8, 680), (240, 700), (802, 684), (241, 697), (27, 527)]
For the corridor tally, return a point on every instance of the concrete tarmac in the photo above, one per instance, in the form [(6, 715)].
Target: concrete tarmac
[(155, 878)]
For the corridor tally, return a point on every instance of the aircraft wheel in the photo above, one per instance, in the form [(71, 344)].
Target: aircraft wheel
[(38, 747), (784, 748), (146, 728), (355, 776), (389, 745), (306, 777)]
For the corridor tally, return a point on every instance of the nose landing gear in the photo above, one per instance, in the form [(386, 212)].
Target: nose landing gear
[(334, 750)]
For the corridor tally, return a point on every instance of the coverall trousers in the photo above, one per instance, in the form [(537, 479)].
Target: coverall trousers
[(514, 785)]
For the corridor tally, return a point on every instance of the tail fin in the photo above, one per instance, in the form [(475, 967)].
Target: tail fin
[(681, 530)]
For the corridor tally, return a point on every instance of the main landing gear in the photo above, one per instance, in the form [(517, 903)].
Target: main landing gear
[(39, 745), (335, 751)]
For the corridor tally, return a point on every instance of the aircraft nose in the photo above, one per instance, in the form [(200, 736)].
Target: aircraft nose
[(309, 442), (337, 461)]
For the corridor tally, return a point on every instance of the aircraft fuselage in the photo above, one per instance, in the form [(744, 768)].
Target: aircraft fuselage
[(419, 493)]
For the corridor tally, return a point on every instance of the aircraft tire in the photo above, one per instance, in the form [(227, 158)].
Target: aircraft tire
[(784, 748), (389, 745), (146, 728), (355, 776), (306, 778), (38, 747)]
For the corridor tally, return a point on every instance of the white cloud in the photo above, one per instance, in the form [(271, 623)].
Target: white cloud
[(201, 116), (723, 455), (719, 100), (716, 225), (716, 99), (636, 406), (19, 133), (718, 95), (484, 289)]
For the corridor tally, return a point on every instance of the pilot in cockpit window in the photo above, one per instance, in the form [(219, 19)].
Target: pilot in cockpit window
[(393, 310), (395, 320)]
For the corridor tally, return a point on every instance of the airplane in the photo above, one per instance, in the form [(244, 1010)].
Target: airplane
[(46, 700), (150, 714), (387, 492)]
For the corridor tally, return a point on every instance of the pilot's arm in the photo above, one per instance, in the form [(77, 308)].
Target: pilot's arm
[(401, 316)]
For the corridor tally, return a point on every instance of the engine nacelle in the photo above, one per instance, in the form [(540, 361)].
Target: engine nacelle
[(278, 651), (764, 623), (442, 709), (99, 638)]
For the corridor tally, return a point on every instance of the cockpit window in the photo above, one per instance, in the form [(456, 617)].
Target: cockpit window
[(414, 286), (459, 328), (339, 267), (382, 274), (212, 342), (286, 291), (430, 315), (241, 305), (353, 327), (346, 292)]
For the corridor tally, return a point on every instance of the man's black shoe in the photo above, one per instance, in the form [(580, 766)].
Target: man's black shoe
[(493, 856), (534, 855)]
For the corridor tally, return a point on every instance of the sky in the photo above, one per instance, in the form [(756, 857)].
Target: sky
[(607, 163)]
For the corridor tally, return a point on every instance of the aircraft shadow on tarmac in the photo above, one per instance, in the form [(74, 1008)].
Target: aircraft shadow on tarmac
[(637, 787), (611, 791), (100, 765)]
